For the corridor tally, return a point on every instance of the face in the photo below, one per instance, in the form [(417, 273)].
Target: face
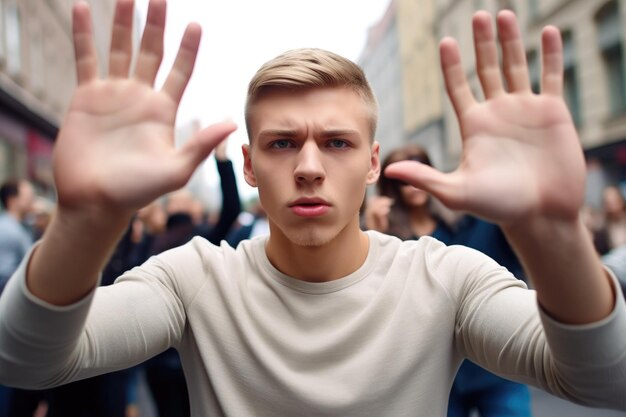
[(311, 158), (413, 197)]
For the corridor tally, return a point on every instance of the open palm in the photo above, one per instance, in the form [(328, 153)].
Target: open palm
[(521, 154), (116, 146)]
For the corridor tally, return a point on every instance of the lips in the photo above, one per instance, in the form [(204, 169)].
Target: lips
[(309, 207)]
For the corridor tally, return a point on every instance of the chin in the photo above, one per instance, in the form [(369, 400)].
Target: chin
[(309, 238), (309, 235)]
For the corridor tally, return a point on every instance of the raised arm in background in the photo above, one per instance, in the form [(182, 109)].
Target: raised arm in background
[(231, 203)]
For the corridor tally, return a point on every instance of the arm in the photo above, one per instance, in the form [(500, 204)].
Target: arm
[(231, 205), (123, 131), (522, 168), (114, 154)]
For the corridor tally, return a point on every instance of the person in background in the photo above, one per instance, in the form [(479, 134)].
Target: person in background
[(408, 213), (250, 224), (615, 232), (615, 260), (614, 217), (17, 198), (186, 218), (43, 209)]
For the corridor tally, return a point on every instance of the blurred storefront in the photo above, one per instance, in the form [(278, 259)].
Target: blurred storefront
[(26, 141)]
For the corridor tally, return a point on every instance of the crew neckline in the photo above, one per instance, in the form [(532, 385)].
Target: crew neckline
[(317, 288)]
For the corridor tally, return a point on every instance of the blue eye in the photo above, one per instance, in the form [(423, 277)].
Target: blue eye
[(337, 143), (281, 144)]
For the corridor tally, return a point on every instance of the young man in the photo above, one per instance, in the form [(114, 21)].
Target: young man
[(319, 318)]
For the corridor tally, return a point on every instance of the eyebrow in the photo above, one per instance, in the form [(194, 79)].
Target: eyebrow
[(272, 133), (293, 132), (339, 132)]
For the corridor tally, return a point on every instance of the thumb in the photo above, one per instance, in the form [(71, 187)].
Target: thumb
[(203, 142), (445, 187)]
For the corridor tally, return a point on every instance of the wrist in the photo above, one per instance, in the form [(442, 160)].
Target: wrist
[(541, 227), (87, 223)]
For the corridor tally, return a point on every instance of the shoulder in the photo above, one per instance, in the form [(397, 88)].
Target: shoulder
[(452, 266), (199, 260)]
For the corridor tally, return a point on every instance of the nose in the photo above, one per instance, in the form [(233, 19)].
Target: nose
[(309, 167)]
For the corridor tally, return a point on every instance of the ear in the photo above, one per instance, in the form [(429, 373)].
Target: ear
[(248, 172), (374, 171)]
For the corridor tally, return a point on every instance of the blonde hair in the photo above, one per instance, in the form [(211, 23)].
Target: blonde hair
[(308, 68)]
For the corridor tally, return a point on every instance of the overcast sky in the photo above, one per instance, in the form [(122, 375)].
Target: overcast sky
[(240, 35)]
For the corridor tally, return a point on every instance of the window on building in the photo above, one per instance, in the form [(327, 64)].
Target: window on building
[(13, 39), (611, 49), (570, 85)]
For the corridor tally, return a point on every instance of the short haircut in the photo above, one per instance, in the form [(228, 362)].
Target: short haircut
[(310, 68), (8, 190)]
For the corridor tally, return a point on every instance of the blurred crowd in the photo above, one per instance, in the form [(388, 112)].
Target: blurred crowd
[(394, 208), (164, 224)]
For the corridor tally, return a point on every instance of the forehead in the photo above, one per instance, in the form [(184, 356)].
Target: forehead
[(313, 109)]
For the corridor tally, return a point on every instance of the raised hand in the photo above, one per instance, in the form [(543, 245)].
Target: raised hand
[(377, 213), (115, 150), (521, 153)]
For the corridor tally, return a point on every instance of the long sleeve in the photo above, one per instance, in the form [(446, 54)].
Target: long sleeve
[(501, 328), (113, 328)]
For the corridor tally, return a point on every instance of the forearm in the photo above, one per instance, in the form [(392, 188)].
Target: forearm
[(560, 260), (66, 265)]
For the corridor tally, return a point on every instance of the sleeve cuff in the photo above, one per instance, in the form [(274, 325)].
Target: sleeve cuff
[(571, 344)]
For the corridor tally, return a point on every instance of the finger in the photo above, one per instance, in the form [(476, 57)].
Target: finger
[(202, 144), (444, 187), (454, 76), (487, 64), (151, 50), (514, 63), (121, 39), (84, 47), (552, 61), (180, 74)]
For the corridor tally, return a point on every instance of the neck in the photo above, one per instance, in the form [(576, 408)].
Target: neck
[(341, 256)]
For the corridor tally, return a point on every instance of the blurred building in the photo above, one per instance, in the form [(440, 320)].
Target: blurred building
[(37, 79), (595, 73), (382, 62)]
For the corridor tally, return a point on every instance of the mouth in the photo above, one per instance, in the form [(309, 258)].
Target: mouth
[(309, 207)]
